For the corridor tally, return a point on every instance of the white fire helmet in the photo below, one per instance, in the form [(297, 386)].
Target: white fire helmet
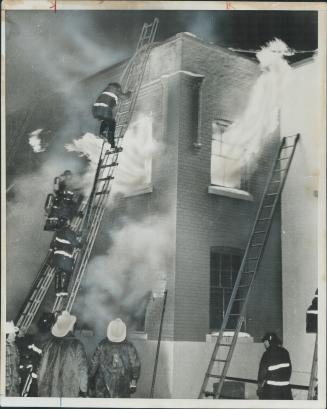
[(116, 331)]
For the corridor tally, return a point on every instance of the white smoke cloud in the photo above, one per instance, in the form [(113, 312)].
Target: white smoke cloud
[(135, 161), (243, 140), (35, 141), (119, 281)]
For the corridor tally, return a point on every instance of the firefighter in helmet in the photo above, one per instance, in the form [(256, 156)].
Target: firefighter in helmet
[(104, 109), (312, 316), (64, 246), (274, 371)]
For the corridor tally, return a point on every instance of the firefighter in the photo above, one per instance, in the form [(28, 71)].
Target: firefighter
[(64, 245), (104, 109), (312, 316), (274, 371), (63, 366), (31, 347), (115, 366), (12, 360)]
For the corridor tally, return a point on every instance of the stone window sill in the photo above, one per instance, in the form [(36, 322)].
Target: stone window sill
[(230, 192), (138, 335), (143, 190), (242, 336)]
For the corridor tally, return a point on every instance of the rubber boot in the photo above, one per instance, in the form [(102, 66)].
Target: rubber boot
[(58, 283), (65, 278)]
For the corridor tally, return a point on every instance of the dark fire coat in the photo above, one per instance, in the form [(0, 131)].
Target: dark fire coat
[(63, 368), (274, 374), (113, 367)]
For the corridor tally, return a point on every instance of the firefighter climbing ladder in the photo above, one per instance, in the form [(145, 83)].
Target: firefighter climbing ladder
[(40, 287), (313, 377), (235, 313), (108, 162)]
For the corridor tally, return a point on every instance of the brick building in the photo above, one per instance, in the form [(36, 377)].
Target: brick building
[(191, 92)]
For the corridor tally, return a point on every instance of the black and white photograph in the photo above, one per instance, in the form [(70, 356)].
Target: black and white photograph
[(163, 196)]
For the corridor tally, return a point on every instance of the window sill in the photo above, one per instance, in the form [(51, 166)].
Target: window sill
[(242, 336), (138, 335), (230, 192), (145, 189)]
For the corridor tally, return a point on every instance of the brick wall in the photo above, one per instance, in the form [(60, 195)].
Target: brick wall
[(205, 220)]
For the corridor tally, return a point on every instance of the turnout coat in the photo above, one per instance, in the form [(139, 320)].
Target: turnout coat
[(274, 374), (113, 367), (63, 368), (12, 374)]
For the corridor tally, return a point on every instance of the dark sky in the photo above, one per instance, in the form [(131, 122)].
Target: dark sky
[(47, 50)]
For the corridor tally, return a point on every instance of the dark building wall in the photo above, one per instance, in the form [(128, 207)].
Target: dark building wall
[(205, 220)]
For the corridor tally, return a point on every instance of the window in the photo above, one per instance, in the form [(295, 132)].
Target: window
[(134, 173), (225, 159), (224, 265)]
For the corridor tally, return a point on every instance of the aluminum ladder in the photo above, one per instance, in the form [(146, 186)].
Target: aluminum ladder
[(131, 81), (236, 310), (313, 376)]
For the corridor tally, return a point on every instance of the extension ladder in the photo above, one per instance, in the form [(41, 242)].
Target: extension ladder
[(236, 309), (131, 81), (313, 376)]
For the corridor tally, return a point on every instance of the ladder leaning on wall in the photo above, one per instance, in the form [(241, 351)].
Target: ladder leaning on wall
[(312, 392), (236, 310), (131, 81)]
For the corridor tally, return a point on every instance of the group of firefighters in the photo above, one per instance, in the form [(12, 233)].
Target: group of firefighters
[(54, 363)]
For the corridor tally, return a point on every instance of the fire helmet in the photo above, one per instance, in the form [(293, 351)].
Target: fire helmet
[(272, 338)]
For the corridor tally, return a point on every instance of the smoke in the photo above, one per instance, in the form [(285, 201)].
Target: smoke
[(26, 241), (35, 141), (135, 161), (243, 140), (49, 51), (119, 282)]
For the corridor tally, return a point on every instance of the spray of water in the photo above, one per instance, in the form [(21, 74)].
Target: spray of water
[(243, 140)]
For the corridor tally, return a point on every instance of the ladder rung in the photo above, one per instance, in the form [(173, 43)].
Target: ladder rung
[(234, 314), (256, 245), (265, 218), (239, 299), (280, 170), (104, 192), (248, 272), (275, 181), (109, 165), (243, 286), (220, 360), (271, 194), (213, 376), (106, 178), (287, 146), (252, 258), (259, 232), (268, 206), (113, 151), (225, 345), (287, 157)]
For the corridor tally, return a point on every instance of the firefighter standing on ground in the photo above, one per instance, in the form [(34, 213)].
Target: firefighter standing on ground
[(274, 371), (63, 367), (115, 366)]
